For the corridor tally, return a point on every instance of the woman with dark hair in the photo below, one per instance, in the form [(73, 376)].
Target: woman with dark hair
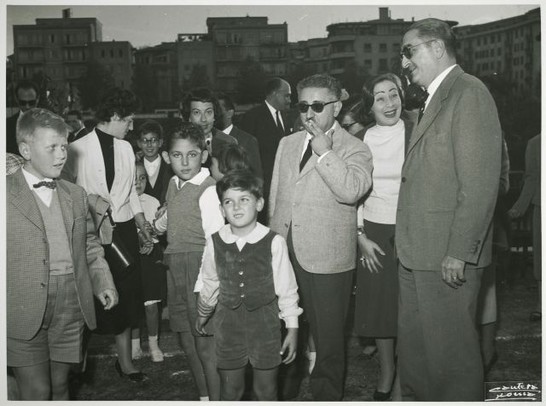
[(376, 311), (353, 117), (103, 163)]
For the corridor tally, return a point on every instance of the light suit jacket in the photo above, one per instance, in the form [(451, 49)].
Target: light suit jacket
[(320, 202), (27, 251), (450, 177), (85, 167)]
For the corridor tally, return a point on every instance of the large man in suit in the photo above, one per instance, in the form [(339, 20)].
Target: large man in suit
[(26, 95), (319, 176), (55, 262), (269, 122), (248, 142), (443, 228)]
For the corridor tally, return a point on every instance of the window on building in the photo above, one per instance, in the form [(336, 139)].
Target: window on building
[(368, 63), (102, 53), (479, 41), (67, 38), (111, 53), (367, 47), (382, 47), (383, 64), (499, 51), (52, 38), (120, 53)]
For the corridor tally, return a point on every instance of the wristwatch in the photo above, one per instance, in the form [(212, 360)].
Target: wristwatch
[(360, 230)]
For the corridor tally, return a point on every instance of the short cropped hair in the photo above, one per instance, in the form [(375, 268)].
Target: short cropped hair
[(203, 95), (150, 127), (231, 157), (187, 131), (367, 91), (272, 85), (321, 80), (432, 28), (26, 85), (116, 101), (243, 180), (228, 101), (140, 163), (36, 118)]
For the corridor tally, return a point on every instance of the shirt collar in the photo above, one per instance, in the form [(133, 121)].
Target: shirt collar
[(228, 129), (152, 164), (435, 84), (259, 232), (31, 179), (272, 109), (203, 174)]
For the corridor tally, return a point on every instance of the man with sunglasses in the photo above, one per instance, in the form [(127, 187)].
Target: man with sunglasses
[(26, 95), (319, 175), (443, 227)]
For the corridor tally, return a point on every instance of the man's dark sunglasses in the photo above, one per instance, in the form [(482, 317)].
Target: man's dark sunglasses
[(407, 50), (317, 107), (30, 103)]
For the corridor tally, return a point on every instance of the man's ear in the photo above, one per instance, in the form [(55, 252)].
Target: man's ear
[(337, 107), (165, 156), (439, 48), (222, 210)]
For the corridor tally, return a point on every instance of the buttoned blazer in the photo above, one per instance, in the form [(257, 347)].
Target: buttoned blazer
[(450, 177), (250, 145), (27, 270), (11, 140), (320, 201), (85, 167)]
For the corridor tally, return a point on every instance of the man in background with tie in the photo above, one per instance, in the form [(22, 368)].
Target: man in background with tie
[(269, 122), (318, 177)]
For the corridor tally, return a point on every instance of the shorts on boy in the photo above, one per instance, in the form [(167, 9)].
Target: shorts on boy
[(181, 299), (60, 336)]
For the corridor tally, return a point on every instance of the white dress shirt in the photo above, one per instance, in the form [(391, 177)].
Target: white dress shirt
[(152, 169), (435, 84), (273, 112), (44, 193)]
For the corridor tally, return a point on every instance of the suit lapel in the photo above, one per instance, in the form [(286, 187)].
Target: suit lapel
[(25, 202), (434, 107), (66, 203)]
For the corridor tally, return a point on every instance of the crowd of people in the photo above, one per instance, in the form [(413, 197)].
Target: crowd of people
[(245, 231)]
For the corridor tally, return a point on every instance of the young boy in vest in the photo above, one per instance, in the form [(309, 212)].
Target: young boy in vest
[(193, 214), (248, 279), (55, 262)]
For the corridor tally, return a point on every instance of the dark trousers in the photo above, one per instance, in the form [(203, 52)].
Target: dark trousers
[(438, 344), (325, 300)]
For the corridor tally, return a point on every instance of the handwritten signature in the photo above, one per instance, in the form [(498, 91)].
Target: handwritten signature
[(519, 391)]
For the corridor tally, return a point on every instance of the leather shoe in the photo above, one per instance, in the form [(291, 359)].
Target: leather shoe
[(133, 376), (381, 396)]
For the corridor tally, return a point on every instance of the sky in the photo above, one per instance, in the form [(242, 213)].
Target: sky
[(145, 25)]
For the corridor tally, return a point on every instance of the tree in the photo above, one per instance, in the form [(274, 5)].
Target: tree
[(94, 84), (251, 81), (197, 78), (145, 87)]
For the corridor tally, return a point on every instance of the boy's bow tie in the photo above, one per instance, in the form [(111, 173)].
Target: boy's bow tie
[(51, 185)]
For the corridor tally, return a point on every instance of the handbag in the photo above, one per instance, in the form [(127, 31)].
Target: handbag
[(104, 224)]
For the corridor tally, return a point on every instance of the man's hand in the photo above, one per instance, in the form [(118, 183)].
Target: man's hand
[(321, 142), (161, 210), (453, 272), (515, 213), (289, 346), (108, 298)]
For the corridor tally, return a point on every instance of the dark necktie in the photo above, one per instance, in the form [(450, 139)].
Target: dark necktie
[(306, 155), (51, 185), (422, 109), (279, 123)]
